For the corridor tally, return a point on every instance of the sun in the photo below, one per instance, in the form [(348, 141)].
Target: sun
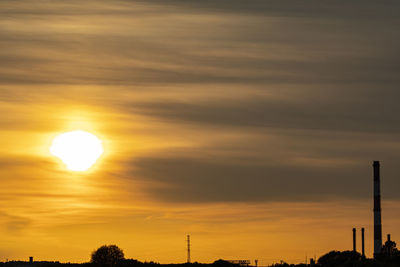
[(79, 150)]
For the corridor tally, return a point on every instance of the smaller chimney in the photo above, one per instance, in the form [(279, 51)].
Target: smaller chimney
[(362, 243), (354, 239), (388, 236), (30, 259)]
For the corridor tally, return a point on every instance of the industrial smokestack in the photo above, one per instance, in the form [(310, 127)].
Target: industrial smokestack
[(354, 240), (362, 243), (377, 211)]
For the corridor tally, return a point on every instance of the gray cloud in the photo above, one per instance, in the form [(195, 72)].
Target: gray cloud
[(21, 162), (340, 111), (15, 224), (323, 77), (289, 43), (199, 180), (18, 224), (338, 9)]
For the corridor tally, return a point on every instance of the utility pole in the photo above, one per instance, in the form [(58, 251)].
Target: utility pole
[(188, 248)]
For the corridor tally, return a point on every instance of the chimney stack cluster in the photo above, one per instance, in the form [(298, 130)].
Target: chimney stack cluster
[(377, 217), (362, 241)]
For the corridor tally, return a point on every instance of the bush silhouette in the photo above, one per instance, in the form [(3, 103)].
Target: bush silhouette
[(109, 255)]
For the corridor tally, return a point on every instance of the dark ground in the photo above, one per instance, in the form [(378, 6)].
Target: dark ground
[(331, 259)]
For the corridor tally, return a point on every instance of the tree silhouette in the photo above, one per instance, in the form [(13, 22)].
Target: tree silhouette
[(341, 258), (107, 255)]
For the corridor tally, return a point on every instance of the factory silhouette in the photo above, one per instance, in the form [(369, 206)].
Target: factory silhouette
[(389, 248), (385, 255)]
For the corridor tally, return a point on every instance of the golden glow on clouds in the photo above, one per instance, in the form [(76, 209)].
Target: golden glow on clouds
[(79, 150)]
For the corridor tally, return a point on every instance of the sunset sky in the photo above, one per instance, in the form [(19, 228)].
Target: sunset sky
[(250, 125)]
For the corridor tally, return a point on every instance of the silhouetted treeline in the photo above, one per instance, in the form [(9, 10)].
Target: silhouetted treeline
[(331, 259), (350, 259), (120, 263)]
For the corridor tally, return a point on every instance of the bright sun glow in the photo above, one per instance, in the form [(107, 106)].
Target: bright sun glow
[(79, 150)]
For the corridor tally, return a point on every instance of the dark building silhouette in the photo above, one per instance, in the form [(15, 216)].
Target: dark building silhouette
[(240, 262), (389, 248)]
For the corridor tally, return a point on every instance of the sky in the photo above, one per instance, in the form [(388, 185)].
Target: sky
[(250, 125)]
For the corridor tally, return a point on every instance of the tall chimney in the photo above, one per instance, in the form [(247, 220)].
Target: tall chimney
[(377, 211), (362, 243), (354, 240)]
